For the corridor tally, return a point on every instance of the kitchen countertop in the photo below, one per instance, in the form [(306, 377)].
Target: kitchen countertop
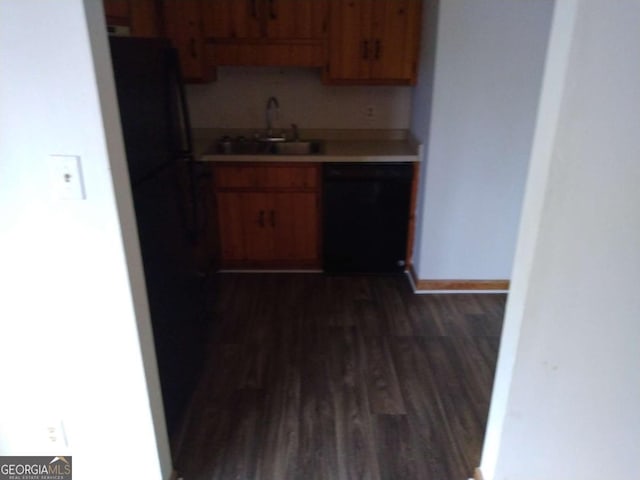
[(339, 146)]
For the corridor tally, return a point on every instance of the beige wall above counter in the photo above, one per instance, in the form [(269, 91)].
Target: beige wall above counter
[(239, 96)]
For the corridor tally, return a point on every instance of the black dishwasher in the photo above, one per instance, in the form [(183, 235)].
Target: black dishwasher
[(366, 216)]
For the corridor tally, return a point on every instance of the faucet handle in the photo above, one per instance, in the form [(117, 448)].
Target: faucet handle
[(295, 132)]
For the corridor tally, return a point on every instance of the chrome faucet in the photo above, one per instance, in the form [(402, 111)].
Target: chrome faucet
[(273, 108)]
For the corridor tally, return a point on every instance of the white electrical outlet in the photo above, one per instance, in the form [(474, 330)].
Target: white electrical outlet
[(55, 434), (66, 177)]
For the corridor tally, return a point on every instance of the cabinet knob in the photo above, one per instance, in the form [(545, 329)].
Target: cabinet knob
[(261, 218)]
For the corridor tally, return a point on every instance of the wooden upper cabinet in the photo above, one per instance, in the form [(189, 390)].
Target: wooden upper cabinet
[(373, 41), (183, 26), (232, 19), (349, 38), (295, 19), (178, 20), (116, 11), (145, 18), (141, 16), (264, 19), (265, 32), (396, 39)]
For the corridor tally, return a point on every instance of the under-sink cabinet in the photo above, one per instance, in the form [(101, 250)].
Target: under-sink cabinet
[(268, 216)]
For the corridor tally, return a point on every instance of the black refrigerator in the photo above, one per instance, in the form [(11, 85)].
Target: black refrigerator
[(156, 131)]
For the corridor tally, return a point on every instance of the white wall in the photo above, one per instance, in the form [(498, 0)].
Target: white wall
[(239, 96), (488, 68), (422, 104), (567, 388), (74, 322)]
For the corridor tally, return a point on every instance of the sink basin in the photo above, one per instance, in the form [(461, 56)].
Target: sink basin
[(300, 147), (243, 146)]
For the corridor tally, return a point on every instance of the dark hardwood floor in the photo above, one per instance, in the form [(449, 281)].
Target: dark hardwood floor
[(320, 377)]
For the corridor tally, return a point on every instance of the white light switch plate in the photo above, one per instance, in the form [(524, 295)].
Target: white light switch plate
[(66, 177)]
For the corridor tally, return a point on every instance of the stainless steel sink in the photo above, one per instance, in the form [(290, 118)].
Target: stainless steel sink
[(244, 146), (300, 147)]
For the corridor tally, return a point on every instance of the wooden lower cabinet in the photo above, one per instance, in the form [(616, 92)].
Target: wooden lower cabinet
[(271, 225)]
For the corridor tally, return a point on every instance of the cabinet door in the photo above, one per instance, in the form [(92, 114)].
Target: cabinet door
[(395, 39), (244, 221), (145, 20), (294, 220), (183, 27), (268, 215), (230, 226), (295, 19), (116, 11), (350, 46), (232, 19), (257, 229), (140, 15)]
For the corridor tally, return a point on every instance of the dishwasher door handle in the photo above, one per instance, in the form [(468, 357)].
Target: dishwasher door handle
[(402, 171)]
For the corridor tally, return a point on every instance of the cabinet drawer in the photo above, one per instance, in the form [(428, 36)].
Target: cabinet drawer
[(303, 176), (235, 176), (285, 176)]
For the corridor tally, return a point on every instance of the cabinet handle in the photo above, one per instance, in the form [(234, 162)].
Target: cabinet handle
[(192, 48), (273, 218), (261, 219), (272, 10), (378, 49), (365, 49), (254, 8)]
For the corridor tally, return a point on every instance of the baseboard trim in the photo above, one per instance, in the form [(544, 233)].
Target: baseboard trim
[(421, 285), (477, 474)]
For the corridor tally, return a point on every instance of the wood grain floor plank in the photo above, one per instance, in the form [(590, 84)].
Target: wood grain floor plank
[(341, 377), (383, 388), (354, 430), (461, 425), (318, 451), (393, 434), (277, 457), (243, 441), (441, 458), (390, 300)]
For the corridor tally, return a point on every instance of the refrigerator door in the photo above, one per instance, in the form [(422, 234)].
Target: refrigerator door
[(182, 140), (154, 117), (173, 290), (155, 129)]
